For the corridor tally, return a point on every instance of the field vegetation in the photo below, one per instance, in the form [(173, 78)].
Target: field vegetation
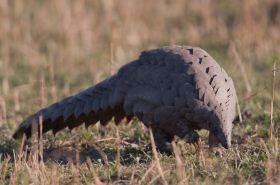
[(50, 49)]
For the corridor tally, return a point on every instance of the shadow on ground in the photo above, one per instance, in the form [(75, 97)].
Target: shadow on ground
[(130, 152), (65, 154)]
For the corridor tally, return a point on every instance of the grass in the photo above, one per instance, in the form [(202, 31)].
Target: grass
[(51, 49)]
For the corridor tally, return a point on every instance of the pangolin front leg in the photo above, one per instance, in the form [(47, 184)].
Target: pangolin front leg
[(192, 137), (215, 145), (163, 141), (189, 135)]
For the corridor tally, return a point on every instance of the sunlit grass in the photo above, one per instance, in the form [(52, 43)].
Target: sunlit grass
[(51, 49)]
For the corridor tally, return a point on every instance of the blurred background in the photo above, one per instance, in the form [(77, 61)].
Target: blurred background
[(50, 49), (65, 46)]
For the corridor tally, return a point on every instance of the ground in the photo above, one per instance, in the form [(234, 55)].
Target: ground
[(52, 49)]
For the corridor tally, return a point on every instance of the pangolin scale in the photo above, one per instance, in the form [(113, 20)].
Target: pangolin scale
[(174, 90)]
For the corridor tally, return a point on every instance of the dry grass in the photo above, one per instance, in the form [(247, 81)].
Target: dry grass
[(51, 49)]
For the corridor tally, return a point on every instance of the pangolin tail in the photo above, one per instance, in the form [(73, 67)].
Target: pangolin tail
[(101, 103)]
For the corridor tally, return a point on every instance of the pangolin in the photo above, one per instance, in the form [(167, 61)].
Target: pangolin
[(174, 90)]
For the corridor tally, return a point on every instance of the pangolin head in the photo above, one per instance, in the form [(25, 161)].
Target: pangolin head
[(222, 129)]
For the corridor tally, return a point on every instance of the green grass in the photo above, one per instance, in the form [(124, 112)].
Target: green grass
[(71, 45)]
